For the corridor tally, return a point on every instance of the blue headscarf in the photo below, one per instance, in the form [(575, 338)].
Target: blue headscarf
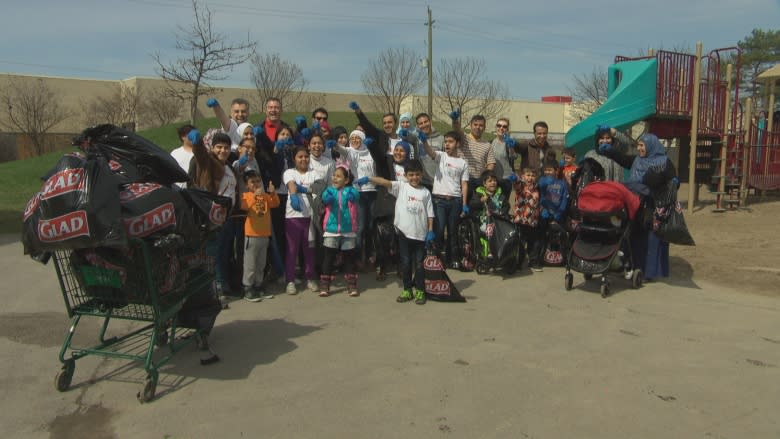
[(655, 158)]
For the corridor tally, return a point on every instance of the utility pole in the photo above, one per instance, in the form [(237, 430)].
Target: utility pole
[(430, 63)]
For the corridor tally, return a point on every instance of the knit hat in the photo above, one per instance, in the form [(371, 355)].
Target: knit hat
[(358, 133)]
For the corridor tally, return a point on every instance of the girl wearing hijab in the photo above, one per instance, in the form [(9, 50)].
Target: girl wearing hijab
[(606, 135), (652, 175)]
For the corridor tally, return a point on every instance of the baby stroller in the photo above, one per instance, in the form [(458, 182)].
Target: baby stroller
[(498, 245), (606, 209)]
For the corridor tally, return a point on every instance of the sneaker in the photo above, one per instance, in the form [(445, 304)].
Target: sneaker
[(456, 265), (251, 295), (291, 288), (264, 294), (628, 274), (312, 285), (419, 297), (405, 296)]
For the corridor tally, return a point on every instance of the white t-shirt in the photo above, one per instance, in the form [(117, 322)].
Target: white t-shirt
[(450, 172), (413, 207), (183, 157), (392, 144), (227, 186), (400, 175), (362, 165), (323, 167), (306, 179)]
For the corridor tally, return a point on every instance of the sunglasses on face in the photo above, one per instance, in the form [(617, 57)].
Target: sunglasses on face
[(498, 125), (321, 118)]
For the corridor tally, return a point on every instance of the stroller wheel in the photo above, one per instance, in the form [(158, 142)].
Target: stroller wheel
[(636, 279), (568, 281), (482, 268), (587, 276), (604, 290)]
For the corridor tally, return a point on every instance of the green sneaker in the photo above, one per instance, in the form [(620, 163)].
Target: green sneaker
[(419, 297), (405, 296)]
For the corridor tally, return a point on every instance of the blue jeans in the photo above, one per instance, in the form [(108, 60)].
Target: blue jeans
[(412, 253), (447, 212)]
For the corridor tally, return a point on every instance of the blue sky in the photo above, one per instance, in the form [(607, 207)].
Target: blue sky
[(534, 47)]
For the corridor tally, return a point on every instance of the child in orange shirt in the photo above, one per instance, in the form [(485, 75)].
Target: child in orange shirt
[(568, 165), (257, 230)]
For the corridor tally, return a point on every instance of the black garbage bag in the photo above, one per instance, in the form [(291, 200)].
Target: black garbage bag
[(131, 156), (152, 209), (438, 285), (209, 210), (77, 207)]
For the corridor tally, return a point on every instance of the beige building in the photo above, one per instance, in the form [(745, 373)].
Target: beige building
[(89, 101)]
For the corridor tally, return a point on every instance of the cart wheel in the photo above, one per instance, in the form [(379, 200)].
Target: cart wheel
[(482, 268), (568, 281), (587, 276), (604, 290), (65, 375), (636, 279), (150, 386)]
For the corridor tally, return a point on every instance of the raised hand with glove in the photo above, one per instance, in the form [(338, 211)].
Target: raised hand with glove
[(509, 141), (211, 103), (421, 136), (257, 130), (455, 114), (354, 106), (194, 137)]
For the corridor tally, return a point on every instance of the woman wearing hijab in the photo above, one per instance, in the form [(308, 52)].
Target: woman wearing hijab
[(652, 175), (606, 135)]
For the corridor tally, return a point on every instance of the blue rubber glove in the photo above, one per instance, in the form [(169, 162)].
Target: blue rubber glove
[(455, 114), (354, 106), (512, 178), (295, 202), (368, 141), (605, 147), (561, 163), (300, 188), (330, 144), (315, 125), (279, 145), (300, 120), (361, 181), (243, 159), (430, 236), (545, 214), (194, 136), (211, 103), (403, 132), (306, 132), (289, 141), (257, 130), (421, 136), (465, 209), (545, 181), (509, 142), (676, 182), (605, 128)]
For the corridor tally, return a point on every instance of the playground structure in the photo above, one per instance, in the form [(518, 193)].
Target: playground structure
[(689, 98)]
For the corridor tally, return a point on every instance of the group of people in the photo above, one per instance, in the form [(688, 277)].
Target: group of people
[(324, 199)]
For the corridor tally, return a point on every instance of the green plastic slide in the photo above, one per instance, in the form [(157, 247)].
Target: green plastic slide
[(631, 98)]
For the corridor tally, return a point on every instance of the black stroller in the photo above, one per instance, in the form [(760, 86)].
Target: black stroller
[(602, 235)]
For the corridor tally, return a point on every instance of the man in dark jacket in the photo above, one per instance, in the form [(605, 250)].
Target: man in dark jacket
[(534, 152)]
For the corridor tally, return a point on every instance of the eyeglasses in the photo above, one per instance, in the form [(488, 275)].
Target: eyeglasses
[(321, 117), (498, 125)]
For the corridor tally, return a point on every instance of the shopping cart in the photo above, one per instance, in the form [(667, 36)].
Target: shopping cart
[(150, 287)]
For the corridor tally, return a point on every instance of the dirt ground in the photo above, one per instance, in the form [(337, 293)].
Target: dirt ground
[(696, 355), (737, 248)]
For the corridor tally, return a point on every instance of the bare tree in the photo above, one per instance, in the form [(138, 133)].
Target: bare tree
[(32, 109), (161, 109), (277, 77), (119, 107), (392, 77), (588, 92), (209, 53), (461, 83)]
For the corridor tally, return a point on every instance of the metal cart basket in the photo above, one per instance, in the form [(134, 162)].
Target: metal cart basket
[(150, 287)]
